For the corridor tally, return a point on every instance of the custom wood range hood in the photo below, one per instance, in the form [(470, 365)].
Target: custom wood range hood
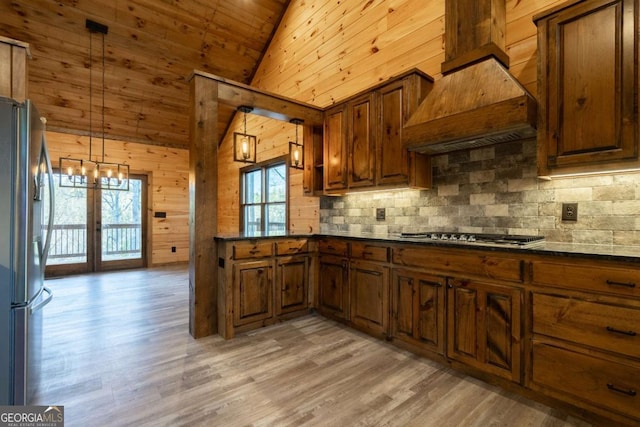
[(477, 102)]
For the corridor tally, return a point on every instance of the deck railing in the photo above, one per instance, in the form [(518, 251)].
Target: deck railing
[(70, 240)]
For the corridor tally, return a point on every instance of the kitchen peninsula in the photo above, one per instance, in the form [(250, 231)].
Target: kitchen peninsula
[(548, 320)]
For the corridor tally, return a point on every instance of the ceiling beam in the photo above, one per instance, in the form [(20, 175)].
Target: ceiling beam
[(235, 94)]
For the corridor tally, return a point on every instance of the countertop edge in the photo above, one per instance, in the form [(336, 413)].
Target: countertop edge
[(571, 250)]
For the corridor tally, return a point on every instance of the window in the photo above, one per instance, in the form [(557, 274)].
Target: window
[(263, 205)]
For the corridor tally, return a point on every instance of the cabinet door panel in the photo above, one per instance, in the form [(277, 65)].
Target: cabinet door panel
[(588, 91), (369, 295), (588, 99), (333, 296), (394, 164), (253, 298), (404, 304), (418, 308), (464, 305), (335, 149), (361, 145), (430, 311), (485, 327), (498, 330), (292, 279)]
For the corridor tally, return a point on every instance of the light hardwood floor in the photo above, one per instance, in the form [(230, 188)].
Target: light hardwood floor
[(118, 353)]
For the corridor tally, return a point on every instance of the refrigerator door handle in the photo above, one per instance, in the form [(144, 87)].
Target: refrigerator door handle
[(42, 303), (51, 185)]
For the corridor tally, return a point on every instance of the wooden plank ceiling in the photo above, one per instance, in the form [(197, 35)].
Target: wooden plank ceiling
[(151, 48)]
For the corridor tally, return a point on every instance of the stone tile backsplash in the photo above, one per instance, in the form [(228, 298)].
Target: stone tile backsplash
[(496, 190)]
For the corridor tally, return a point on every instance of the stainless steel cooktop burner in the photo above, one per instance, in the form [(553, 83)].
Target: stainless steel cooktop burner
[(498, 239)]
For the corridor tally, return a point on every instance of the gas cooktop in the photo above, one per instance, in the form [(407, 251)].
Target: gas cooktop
[(497, 239)]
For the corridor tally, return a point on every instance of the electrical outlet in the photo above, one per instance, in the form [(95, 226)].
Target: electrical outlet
[(173, 248), (380, 214), (569, 211)]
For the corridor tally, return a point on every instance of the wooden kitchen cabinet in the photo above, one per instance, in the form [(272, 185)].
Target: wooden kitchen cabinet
[(14, 56), (313, 173), (261, 282), (417, 313), (588, 87), (586, 335), (252, 292), (395, 164), (361, 116), (363, 146), (335, 149), (484, 327), (292, 284), (333, 283), (369, 283)]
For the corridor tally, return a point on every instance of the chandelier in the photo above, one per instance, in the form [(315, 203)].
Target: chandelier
[(94, 173)]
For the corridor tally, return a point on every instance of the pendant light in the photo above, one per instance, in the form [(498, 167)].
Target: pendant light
[(244, 145), (296, 150), (93, 173)]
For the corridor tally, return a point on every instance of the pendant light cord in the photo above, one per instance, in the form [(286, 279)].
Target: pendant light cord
[(90, 91), (103, 98)]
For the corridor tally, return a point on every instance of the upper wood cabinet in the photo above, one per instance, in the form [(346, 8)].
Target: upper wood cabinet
[(13, 69), (588, 87), (361, 113), (335, 148), (363, 138), (312, 176)]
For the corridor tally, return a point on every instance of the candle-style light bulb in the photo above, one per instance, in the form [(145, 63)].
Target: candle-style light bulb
[(245, 147), (296, 157)]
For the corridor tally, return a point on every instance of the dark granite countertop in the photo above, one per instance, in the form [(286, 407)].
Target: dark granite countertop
[(578, 250)]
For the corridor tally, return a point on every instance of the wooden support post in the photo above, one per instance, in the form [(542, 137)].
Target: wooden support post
[(203, 206)]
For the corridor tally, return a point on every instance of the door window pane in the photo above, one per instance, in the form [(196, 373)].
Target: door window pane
[(122, 222), (69, 231)]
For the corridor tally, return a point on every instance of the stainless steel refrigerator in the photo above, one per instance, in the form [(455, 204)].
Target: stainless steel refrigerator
[(26, 213)]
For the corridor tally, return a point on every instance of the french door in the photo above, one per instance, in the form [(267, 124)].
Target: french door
[(98, 230)]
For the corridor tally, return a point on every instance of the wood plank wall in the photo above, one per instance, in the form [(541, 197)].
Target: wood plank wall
[(273, 138), (326, 51), (168, 172)]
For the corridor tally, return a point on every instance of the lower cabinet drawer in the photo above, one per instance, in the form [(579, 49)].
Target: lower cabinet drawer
[(578, 377), (369, 252), (613, 327), (252, 249)]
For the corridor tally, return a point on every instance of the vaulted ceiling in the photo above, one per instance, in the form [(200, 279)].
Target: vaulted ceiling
[(151, 48)]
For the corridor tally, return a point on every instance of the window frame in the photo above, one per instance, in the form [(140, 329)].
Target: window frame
[(264, 166)]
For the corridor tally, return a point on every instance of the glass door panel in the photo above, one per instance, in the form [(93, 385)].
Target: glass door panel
[(70, 234), (120, 226), (97, 230)]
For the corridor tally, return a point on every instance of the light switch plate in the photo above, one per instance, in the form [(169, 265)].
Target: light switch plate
[(380, 214)]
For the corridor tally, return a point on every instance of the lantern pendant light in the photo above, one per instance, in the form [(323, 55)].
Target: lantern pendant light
[(244, 145), (296, 150)]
